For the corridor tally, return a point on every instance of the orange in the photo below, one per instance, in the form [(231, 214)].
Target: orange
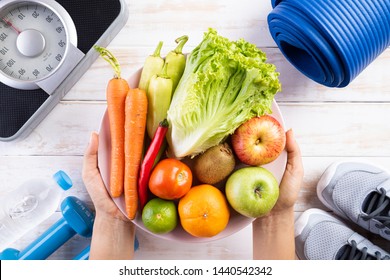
[(204, 211)]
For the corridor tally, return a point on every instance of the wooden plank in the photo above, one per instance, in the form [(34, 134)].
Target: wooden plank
[(168, 19), (45, 166), (65, 131), (323, 129), (372, 85), (330, 124), (238, 246), (339, 129)]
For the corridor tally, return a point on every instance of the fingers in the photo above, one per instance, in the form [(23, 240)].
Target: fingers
[(92, 148), (90, 156), (91, 174), (294, 159), (292, 147), (293, 175)]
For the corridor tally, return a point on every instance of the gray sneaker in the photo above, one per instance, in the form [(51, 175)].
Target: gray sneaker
[(359, 192), (321, 236)]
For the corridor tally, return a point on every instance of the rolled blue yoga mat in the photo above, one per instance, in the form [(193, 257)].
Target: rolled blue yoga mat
[(330, 41)]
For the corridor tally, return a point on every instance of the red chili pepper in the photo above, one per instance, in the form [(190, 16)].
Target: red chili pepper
[(148, 162)]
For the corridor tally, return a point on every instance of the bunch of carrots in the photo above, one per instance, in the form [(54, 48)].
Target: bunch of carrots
[(127, 109), (134, 111)]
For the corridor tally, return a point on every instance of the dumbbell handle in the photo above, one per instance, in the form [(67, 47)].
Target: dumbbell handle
[(47, 243)]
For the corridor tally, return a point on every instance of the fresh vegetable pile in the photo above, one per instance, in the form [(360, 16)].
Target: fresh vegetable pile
[(178, 122), (224, 84)]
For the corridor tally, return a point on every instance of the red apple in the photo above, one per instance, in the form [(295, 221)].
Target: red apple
[(259, 140)]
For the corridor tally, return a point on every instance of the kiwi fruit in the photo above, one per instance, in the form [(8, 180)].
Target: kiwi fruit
[(215, 164)]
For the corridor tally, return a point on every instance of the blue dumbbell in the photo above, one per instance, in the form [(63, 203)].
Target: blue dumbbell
[(77, 219)]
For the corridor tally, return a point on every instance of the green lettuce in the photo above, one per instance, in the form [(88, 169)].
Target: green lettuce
[(224, 84)]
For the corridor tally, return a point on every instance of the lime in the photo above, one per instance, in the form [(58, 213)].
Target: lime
[(160, 216)]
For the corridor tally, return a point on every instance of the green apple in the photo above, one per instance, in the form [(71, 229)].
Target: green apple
[(252, 191)]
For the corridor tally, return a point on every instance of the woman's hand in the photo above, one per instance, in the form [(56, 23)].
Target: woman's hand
[(100, 197), (292, 178), (113, 233), (273, 234)]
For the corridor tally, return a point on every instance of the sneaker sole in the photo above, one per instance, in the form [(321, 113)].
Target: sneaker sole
[(303, 219)]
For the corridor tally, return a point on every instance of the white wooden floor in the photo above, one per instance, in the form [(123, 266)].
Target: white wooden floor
[(330, 124)]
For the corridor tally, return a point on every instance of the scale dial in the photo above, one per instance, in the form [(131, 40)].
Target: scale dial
[(35, 37)]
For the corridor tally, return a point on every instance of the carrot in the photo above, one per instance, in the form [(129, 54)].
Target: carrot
[(116, 93), (135, 125)]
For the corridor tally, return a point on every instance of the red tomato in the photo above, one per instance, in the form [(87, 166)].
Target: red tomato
[(170, 179)]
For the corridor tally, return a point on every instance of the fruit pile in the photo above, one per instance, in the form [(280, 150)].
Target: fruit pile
[(212, 110), (199, 193)]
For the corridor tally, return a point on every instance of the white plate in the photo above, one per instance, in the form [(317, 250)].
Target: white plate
[(236, 222)]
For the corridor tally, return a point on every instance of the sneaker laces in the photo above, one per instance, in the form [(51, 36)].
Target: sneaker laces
[(352, 252), (376, 207)]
